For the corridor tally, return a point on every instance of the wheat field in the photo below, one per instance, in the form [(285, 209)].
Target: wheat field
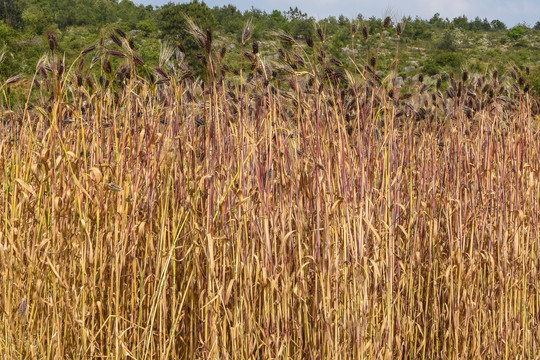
[(290, 208)]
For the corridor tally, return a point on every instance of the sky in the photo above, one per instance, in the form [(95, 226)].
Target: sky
[(509, 12)]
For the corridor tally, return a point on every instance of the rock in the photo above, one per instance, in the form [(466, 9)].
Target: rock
[(350, 51), (30, 41)]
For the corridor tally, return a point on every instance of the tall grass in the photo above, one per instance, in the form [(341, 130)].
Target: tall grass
[(296, 211)]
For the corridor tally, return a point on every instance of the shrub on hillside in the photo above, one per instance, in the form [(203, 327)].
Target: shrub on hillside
[(517, 32)]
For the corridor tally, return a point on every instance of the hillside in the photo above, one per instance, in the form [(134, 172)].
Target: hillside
[(434, 46)]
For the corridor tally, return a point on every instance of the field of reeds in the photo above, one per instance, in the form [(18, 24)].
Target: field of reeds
[(289, 207)]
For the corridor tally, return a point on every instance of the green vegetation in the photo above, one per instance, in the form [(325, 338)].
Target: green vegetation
[(437, 44), (517, 32), (294, 189)]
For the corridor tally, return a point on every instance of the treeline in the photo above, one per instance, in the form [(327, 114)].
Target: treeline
[(23, 24), (36, 15)]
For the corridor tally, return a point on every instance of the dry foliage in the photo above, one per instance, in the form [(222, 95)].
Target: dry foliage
[(294, 211)]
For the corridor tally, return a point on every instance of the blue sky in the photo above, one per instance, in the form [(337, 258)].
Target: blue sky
[(509, 12)]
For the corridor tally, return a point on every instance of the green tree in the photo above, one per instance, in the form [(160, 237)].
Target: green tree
[(447, 42), (374, 25), (448, 59), (437, 21), (229, 20), (10, 63), (300, 23), (276, 20), (130, 14), (11, 13), (260, 25), (37, 18), (295, 14), (498, 25), (517, 32), (81, 12), (146, 26), (461, 22), (417, 29), (173, 25), (479, 25)]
